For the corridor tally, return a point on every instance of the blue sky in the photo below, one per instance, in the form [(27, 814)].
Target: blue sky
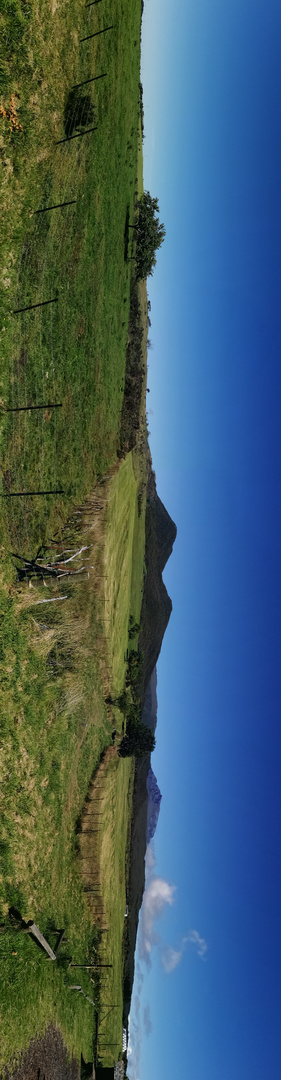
[(212, 154)]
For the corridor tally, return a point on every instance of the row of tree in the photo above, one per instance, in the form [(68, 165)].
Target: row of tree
[(138, 739)]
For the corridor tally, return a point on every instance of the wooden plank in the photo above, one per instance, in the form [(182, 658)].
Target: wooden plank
[(34, 930)]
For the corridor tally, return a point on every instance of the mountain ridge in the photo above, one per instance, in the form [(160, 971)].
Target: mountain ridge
[(160, 534)]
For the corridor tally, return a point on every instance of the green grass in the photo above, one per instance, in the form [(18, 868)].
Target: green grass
[(103, 859), (58, 662), (117, 808), (53, 729), (140, 161), (49, 748), (123, 562), (72, 351), (35, 991)]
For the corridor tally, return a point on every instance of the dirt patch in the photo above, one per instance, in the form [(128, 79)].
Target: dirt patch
[(47, 1058)]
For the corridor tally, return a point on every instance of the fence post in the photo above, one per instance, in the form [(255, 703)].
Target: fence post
[(97, 33), (22, 494), (84, 83), (78, 136), (31, 306), (55, 206), (27, 408)]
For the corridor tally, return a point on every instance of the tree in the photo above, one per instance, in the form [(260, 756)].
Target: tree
[(134, 627), (149, 235), (138, 740)]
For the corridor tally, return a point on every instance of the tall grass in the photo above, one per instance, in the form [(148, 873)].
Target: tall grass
[(59, 661), (57, 670)]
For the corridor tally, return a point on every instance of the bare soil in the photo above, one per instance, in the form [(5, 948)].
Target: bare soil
[(45, 1059)]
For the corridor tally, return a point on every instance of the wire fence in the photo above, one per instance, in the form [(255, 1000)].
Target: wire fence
[(34, 493), (35, 413)]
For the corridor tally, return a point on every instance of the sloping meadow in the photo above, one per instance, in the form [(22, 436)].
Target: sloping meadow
[(71, 351), (62, 377), (58, 670)]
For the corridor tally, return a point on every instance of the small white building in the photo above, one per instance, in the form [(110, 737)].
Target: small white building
[(124, 1041)]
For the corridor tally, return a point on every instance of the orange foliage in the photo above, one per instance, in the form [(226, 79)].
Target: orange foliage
[(11, 115)]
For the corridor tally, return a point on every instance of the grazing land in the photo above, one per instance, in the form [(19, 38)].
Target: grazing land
[(104, 853), (72, 352), (54, 679), (60, 661)]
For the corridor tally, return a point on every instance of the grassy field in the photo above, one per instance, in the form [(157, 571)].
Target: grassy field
[(73, 351), (58, 662), (103, 860), (115, 825), (123, 566), (54, 727)]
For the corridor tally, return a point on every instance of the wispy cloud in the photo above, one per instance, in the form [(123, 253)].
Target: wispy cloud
[(170, 958), (147, 1025), (193, 938), (158, 894), (149, 859)]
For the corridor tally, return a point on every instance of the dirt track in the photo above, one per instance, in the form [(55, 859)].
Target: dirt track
[(45, 1059)]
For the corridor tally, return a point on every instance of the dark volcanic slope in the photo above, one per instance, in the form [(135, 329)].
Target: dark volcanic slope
[(156, 609), (160, 534)]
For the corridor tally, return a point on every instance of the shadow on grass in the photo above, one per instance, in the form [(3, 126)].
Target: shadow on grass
[(126, 235), (78, 112)]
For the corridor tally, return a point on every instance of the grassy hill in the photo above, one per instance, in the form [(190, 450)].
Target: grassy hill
[(55, 725), (73, 351), (59, 661)]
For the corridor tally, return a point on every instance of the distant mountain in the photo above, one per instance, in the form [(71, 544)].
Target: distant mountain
[(153, 805), (160, 534), (149, 709)]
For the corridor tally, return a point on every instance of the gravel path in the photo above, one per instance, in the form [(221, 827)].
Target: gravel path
[(45, 1059)]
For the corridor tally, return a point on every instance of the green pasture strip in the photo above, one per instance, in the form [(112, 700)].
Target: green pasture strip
[(143, 301), (138, 562), (72, 351), (140, 161), (123, 562), (117, 809)]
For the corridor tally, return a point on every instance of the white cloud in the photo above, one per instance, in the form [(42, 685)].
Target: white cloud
[(170, 958), (157, 894), (193, 938), (147, 1025), (150, 859)]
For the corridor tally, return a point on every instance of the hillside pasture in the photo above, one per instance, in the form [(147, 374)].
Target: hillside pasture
[(123, 566), (71, 352), (103, 844), (59, 661), (55, 725)]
